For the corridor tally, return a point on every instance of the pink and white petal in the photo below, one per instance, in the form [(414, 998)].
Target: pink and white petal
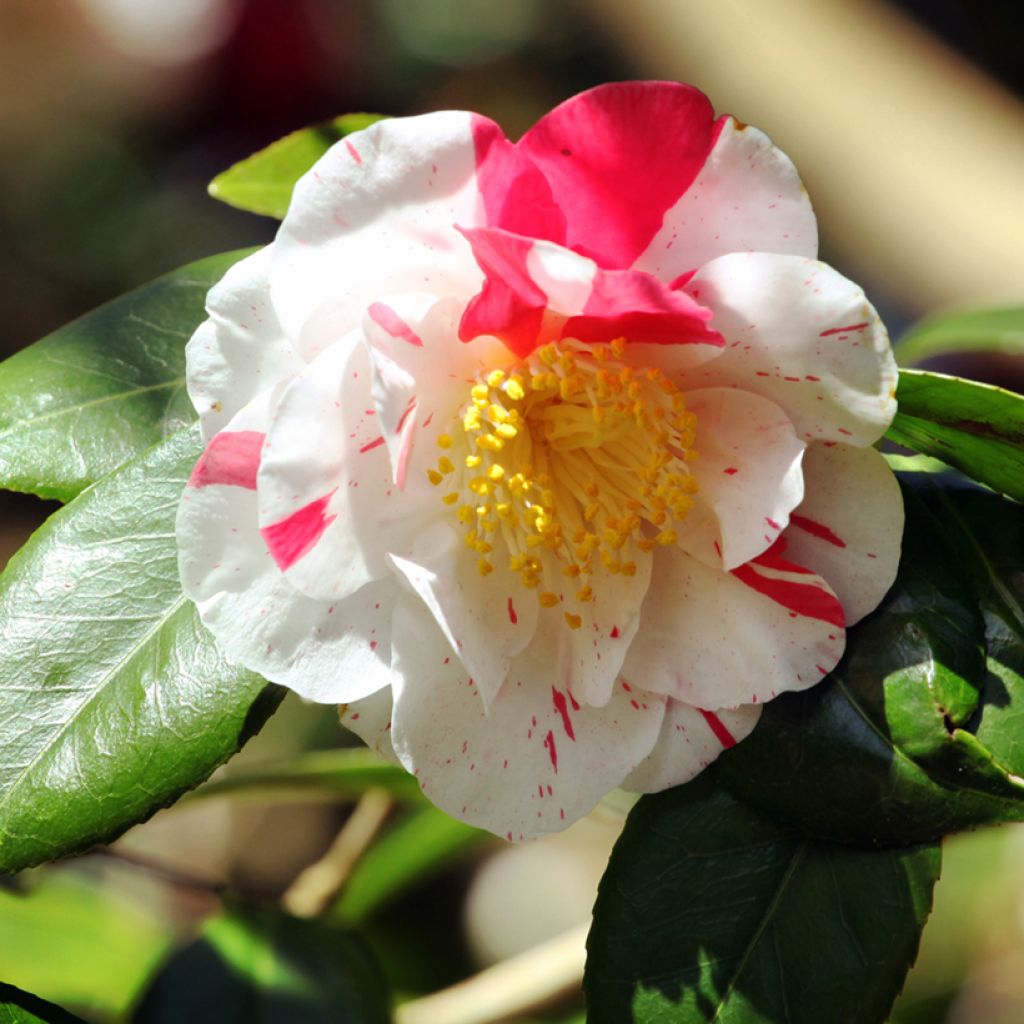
[(375, 216), (486, 619), (849, 527), (329, 510), (326, 652), (690, 740), (748, 472), (422, 375), (804, 336), (370, 719), (748, 197), (534, 763), (719, 639), (537, 292), (617, 157), (588, 659), (241, 349)]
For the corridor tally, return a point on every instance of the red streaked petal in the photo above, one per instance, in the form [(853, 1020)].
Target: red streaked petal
[(291, 538), (617, 157), (232, 458)]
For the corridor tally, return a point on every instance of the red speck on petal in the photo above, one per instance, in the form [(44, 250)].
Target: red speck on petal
[(549, 742), (512, 617), (563, 709), (730, 470), (614, 633)]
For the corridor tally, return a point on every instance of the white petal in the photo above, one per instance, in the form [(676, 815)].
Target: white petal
[(748, 472), (324, 651), (241, 350), (804, 336), (329, 510), (719, 639), (535, 763), (370, 719), (690, 740), (376, 216), (747, 198), (485, 619), (849, 527)]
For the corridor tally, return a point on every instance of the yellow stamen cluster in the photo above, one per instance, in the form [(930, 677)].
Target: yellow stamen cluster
[(567, 460)]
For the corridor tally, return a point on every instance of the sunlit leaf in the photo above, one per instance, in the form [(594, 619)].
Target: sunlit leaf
[(966, 330), (709, 912), (263, 182), (977, 428), (90, 396), (917, 733), (106, 946), (257, 964), (113, 697)]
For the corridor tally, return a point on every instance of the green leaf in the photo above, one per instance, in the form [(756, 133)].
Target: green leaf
[(113, 697), (337, 773), (420, 845), (978, 428), (17, 1007), (263, 182), (965, 330), (709, 912), (92, 395), (918, 731), (106, 944), (254, 964)]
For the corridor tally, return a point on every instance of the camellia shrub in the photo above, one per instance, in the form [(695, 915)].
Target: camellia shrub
[(556, 466)]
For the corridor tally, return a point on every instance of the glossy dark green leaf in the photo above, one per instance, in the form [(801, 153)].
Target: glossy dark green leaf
[(17, 1007), (918, 731), (263, 182), (709, 912), (421, 844), (977, 428), (964, 330), (257, 964), (338, 773), (85, 399), (113, 697)]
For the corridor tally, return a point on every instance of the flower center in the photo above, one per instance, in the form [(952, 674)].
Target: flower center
[(569, 459)]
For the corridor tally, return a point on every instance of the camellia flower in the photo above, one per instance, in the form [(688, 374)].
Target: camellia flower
[(550, 462)]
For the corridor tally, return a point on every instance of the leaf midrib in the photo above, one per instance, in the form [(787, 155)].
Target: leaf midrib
[(31, 421), (797, 857), (101, 684)]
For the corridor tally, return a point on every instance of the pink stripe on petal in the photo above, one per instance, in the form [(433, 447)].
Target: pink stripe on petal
[(806, 599), (387, 319), (516, 195), (716, 725), (232, 458), (290, 539), (633, 305), (816, 529), (617, 157)]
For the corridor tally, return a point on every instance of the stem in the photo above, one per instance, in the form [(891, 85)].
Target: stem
[(316, 887), (514, 987)]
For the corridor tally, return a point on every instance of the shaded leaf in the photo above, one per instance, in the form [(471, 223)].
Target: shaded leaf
[(255, 964), (965, 330), (90, 396), (709, 912), (17, 1007), (417, 847), (978, 428), (263, 182), (338, 773), (113, 697), (917, 732)]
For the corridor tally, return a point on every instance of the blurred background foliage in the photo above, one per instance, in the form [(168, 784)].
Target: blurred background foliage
[(905, 120)]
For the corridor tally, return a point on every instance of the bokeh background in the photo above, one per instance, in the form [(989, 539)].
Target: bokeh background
[(905, 119)]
